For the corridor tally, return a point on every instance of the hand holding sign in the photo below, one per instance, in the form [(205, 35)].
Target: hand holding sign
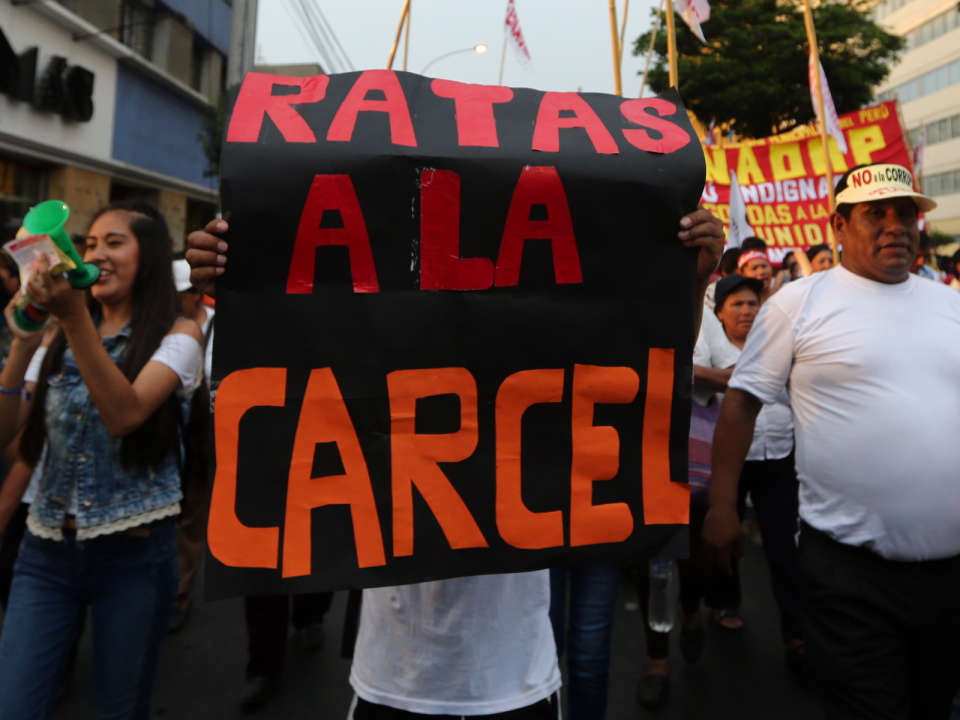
[(206, 254)]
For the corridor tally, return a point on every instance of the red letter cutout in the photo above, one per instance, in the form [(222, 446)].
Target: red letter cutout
[(394, 104), (232, 542), (476, 126), (546, 134), (256, 99), (518, 526), (596, 454), (416, 457), (332, 192), (539, 186), (673, 137), (664, 502), (324, 418), (441, 267)]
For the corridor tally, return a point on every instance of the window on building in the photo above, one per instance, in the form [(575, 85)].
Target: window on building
[(945, 183), (931, 82), (20, 188), (136, 30), (943, 130), (888, 7)]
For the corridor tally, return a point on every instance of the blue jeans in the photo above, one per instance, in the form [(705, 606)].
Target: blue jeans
[(129, 582), (593, 599)]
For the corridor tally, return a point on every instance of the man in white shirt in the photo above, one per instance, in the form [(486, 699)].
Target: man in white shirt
[(872, 357)]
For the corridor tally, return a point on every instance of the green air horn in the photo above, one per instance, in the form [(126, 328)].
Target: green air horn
[(48, 218)]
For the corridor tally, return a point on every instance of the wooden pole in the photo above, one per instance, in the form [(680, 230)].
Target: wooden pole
[(672, 45), (503, 58), (824, 139), (618, 89), (653, 38), (623, 29), (396, 38), (406, 35)]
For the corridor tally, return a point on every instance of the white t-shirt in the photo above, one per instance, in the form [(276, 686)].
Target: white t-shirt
[(467, 646), (773, 432), (712, 350), (874, 374)]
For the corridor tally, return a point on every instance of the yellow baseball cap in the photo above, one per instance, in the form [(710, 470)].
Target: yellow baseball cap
[(867, 183)]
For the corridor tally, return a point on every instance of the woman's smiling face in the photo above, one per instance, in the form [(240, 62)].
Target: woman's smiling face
[(112, 246)]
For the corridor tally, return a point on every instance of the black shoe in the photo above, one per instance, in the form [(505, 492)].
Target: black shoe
[(691, 643), (179, 619), (310, 637), (256, 691), (652, 692)]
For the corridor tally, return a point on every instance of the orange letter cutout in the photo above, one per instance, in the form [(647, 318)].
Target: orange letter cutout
[(519, 526), (324, 418), (415, 457), (232, 542), (596, 454), (664, 502)]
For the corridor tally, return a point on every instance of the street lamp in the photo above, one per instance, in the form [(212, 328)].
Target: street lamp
[(481, 48)]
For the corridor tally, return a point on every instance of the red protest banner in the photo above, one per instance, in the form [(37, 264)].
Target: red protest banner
[(783, 177)]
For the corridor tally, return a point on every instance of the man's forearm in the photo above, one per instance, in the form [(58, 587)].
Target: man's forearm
[(715, 379), (731, 443)]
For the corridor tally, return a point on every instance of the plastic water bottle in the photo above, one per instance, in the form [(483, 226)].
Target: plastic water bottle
[(663, 595)]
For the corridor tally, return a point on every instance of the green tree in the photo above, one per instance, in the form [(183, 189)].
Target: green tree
[(753, 70)]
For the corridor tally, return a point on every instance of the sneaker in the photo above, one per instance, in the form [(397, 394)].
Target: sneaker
[(310, 637), (256, 691)]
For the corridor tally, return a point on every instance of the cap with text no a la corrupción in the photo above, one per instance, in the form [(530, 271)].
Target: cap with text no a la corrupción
[(879, 182)]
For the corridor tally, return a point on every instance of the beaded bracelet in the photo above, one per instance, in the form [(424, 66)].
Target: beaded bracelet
[(12, 391)]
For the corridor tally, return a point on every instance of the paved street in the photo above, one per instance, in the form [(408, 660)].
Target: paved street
[(741, 676)]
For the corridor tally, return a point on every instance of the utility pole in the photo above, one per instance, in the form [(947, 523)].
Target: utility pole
[(824, 138), (243, 30)]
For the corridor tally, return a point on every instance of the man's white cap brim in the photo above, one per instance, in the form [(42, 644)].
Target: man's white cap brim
[(880, 182)]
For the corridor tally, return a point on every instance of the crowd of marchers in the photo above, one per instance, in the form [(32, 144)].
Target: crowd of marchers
[(826, 400)]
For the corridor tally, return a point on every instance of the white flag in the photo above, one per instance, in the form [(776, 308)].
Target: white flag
[(740, 228), (918, 152), (693, 13), (833, 121), (515, 37), (709, 139)]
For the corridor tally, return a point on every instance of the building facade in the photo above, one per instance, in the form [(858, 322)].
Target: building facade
[(927, 83), (106, 100)]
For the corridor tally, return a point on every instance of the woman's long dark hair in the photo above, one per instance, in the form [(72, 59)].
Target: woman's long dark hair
[(156, 306)]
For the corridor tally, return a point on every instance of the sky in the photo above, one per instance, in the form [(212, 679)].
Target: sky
[(569, 40)]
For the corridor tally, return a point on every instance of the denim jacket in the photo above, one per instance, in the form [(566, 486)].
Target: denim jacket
[(82, 454)]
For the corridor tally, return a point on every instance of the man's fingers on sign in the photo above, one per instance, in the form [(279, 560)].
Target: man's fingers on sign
[(701, 229), (206, 255)]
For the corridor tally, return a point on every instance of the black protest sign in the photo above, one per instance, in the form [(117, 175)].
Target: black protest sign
[(455, 331)]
